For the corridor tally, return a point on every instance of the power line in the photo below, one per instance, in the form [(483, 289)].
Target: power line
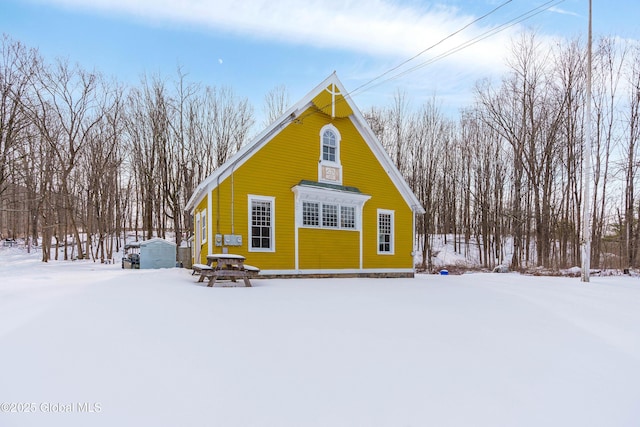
[(523, 17), (432, 46), (489, 33)]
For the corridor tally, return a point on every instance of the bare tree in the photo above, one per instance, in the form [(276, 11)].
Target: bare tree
[(526, 112), (17, 68), (101, 172), (147, 127), (632, 233), (487, 169), (609, 61), (65, 112), (177, 178), (426, 149), (276, 102), (231, 118), (500, 113)]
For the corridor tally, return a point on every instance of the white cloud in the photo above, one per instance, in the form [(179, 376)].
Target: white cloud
[(562, 11), (384, 30), (376, 27)]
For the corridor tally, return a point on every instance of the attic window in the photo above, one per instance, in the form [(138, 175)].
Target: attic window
[(329, 146), (329, 167)]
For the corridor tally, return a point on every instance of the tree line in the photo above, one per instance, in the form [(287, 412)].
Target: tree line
[(84, 159), (504, 180)]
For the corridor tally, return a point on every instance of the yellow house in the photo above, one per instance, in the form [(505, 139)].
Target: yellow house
[(313, 194)]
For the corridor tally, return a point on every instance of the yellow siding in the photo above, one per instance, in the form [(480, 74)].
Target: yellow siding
[(332, 103), (271, 171), (361, 169), (281, 164), (329, 249), (201, 250)]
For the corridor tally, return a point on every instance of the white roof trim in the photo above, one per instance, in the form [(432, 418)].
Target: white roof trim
[(378, 150), (224, 170)]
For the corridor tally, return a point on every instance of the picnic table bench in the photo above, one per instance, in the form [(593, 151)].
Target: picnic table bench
[(9, 243), (225, 266), (199, 268)]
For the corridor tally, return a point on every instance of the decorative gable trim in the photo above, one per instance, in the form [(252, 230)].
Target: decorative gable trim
[(331, 101), (331, 98)]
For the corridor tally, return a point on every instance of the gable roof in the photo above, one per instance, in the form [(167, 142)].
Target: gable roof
[(331, 98)]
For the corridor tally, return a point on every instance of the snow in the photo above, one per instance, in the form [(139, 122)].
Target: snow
[(154, 347)]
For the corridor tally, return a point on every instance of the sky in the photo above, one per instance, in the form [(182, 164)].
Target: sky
[(254, 46)]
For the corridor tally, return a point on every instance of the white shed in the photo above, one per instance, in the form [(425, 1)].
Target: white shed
[(157, 253)]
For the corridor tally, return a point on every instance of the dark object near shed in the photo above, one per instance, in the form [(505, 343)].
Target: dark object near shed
[(131, 257)]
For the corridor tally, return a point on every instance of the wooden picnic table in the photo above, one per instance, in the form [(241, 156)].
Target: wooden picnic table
[(229, 266), (9, 243)]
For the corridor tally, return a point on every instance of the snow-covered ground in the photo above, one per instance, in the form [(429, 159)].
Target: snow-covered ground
[(85, 344)]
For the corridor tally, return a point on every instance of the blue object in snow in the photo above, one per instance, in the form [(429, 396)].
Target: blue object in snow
[(444, 272)]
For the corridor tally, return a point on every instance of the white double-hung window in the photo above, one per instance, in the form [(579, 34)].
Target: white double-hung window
[(385, 231), (261, 224), (203, 224)]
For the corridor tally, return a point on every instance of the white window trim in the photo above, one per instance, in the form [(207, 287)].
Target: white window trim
[(198, 239), (337, 164), (329, 196), (203, 227), (342, 220), (393, 232), (319, 212), (321, 206), (319, 194), (330, 212), (272, 201)]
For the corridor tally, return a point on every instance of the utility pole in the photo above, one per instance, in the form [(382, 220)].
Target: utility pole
[(586, 171)]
